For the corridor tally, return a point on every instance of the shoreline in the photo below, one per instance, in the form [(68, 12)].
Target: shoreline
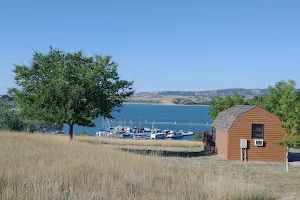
[(162, 104)]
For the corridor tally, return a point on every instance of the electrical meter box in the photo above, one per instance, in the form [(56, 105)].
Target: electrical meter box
[(244, 143)]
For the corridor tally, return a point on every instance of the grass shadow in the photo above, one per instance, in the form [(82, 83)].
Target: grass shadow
[(166, 153)]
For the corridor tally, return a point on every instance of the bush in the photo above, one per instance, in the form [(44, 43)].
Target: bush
[(197, 136), (82, 133), (9, 119)]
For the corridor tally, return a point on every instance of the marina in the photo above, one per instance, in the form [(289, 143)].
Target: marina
[(142, 120), (142, 133)]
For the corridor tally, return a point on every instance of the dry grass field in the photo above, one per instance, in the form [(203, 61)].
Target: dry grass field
[(152, 143), (34, 166)]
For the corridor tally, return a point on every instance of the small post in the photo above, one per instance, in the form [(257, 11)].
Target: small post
[(241, 154), (287, 159)]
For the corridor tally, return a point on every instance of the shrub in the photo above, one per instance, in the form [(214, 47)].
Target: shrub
[(197, 136)]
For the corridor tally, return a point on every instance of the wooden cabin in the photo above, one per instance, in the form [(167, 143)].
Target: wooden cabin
[(248, 133)]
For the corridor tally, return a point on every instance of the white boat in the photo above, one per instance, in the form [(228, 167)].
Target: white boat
[(147, 129), (172, 134), (186, 133), (141, 136), (157, 136)]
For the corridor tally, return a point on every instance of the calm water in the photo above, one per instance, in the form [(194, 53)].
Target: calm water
[(159, 113)]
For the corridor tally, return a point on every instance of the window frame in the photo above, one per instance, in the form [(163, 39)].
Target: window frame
[(262, 133)]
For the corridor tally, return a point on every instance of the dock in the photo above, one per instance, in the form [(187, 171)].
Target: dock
[(124, 122)]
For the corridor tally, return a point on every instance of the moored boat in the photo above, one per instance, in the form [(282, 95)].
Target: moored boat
[(157, 136), (186, 133), (172, 134)]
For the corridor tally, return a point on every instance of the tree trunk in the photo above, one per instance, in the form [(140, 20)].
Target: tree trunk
[(287, 159), (71, 131)]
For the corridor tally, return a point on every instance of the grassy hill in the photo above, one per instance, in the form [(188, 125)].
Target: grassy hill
[(191, 97)]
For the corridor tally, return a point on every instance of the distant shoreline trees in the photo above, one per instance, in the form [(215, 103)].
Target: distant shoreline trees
[(11, 120)]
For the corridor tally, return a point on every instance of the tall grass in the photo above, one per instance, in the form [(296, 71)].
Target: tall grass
[(160, 143), (51, 167)]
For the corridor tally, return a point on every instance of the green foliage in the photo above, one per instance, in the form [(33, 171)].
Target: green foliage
[(284, 101), (42, 126), (144, 101), (197, 136), (219, 104), (9, 119), (188, 101), (6, 98), (69, 88), (83, 133), (258, 101), (291, 140)]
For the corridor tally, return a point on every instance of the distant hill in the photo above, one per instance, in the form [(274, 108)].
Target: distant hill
[(191, 97), (180, 97)]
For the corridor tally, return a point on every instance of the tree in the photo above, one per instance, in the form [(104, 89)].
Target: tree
[(9, 120), (219, 104), (69, 88), (258, 101), (6, 98), (284, 101)]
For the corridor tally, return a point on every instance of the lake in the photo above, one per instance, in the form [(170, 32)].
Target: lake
[(141, 113)]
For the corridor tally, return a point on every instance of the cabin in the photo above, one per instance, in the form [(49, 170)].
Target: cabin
[(248, 133)]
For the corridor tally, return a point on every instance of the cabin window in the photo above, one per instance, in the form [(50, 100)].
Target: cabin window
[(258, 131)]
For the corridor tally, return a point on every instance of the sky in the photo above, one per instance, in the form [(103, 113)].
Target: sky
[(161, 45)]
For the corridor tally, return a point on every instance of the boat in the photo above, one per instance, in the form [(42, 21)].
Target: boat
[(173, 134), (126, 135), (147, 129), (157, 136), (186, 133), (141, 136)]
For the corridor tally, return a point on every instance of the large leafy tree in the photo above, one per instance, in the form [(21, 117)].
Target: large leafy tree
[(284, 101), (69, 88)]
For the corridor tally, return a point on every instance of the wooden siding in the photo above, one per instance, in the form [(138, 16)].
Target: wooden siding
[(222, 144), (242, 128)]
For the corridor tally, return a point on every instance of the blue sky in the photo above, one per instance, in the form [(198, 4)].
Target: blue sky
[(162, 45)]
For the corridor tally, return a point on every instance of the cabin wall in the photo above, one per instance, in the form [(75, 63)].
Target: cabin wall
[(242, 129), (222, 143)]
